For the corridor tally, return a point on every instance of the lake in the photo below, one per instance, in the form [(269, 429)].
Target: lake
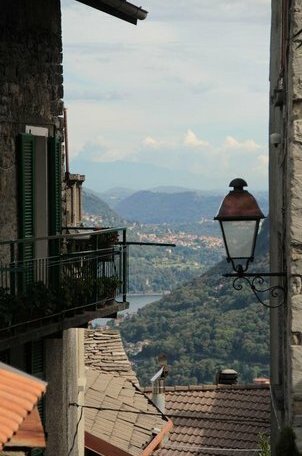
[(136, 301)]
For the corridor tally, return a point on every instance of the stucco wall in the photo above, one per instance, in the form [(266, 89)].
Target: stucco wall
[(65, 374), (30, 86)]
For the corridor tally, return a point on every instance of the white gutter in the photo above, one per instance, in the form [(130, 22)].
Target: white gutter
[(119, 8)]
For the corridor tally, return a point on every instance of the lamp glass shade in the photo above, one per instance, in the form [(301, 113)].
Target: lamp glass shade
[(240, 237)]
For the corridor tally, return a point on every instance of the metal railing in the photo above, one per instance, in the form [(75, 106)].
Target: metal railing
[(82, 269)]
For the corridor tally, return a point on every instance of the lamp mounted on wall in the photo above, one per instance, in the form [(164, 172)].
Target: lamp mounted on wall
[(239, 216)]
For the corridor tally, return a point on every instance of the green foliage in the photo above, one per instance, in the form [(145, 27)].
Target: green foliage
[(286, 445), (92, 204), (156, 269), (265, 446), (201, 326), (40, 301)]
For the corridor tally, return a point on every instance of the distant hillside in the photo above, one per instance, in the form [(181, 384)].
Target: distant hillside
[(92, 204), (202, 326), (115, 195), (158, 207)]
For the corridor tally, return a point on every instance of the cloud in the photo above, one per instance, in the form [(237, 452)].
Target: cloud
[(149, 141), (191, 140), (204, 11), (133, 91), (261, 167), (248, 145)]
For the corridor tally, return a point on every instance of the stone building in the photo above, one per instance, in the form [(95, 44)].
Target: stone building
[(285, 182), (49, 285)]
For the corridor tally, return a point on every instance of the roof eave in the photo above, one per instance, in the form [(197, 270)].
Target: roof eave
[(118, 8), (158, 439)]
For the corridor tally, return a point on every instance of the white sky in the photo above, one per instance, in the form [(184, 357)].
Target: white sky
[(186, 89)]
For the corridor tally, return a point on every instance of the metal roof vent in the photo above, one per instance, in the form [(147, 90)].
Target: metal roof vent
[(227, 377), (158, 384)]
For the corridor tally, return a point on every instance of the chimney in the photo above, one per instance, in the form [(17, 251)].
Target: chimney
[(227, 377), (158, 388)]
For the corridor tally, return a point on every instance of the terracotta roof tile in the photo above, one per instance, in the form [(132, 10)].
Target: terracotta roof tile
[(129, 426), (30, 434), (104, 351), (19, 393), (216, 417), (112, 384)]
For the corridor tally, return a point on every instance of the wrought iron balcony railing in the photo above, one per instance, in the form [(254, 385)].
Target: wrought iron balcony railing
[(84, 270)]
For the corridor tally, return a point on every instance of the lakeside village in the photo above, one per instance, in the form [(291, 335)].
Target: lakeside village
[(162, 233)]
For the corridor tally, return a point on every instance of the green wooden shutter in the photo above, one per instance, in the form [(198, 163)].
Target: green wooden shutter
[(26, 205), (26, 192), (54, 186), (55, 207)]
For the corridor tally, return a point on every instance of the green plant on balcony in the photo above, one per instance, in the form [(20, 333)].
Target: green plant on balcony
[(107, 239), (7, 307), (110, 285), (40, 300), (77, 291)]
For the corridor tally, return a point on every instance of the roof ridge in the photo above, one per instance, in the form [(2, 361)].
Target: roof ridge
[(248, 386)]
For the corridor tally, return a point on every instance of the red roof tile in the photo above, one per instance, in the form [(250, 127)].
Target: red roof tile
[(19, 393), (215, 420), (30, 434)]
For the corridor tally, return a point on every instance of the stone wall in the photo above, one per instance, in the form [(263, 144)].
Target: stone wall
[(286, 213), (31, 86)]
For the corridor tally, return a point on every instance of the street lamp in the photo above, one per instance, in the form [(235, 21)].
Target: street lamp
[(239, 216)]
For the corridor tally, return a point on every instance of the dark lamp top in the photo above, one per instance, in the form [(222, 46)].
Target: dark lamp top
[(239, 204), (238, 184)]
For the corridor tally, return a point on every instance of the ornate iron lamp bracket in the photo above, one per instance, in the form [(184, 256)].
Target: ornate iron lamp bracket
[(258, 284)]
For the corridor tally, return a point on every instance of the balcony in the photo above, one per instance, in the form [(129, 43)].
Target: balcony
[(84, 276)]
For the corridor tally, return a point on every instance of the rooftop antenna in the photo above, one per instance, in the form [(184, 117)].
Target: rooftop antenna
[(158, 383)]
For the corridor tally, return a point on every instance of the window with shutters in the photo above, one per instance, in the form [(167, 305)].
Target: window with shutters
[(26, 196), (54, 186), (39, 199), (54, 191)]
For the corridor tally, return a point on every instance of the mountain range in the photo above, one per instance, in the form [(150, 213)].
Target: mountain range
[(160, 205), (178, 207)]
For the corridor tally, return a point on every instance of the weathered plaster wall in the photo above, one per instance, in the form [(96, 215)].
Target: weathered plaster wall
[(65, 374), (30, 86), (286, 213)]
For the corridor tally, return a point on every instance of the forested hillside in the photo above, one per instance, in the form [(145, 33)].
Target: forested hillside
[(92, 204), (201, 327), (157, 269)]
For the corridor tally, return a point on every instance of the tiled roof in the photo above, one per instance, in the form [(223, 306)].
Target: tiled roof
[(19, 393), (104, 351), (30, 434), (213, 420), (118, 414)]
